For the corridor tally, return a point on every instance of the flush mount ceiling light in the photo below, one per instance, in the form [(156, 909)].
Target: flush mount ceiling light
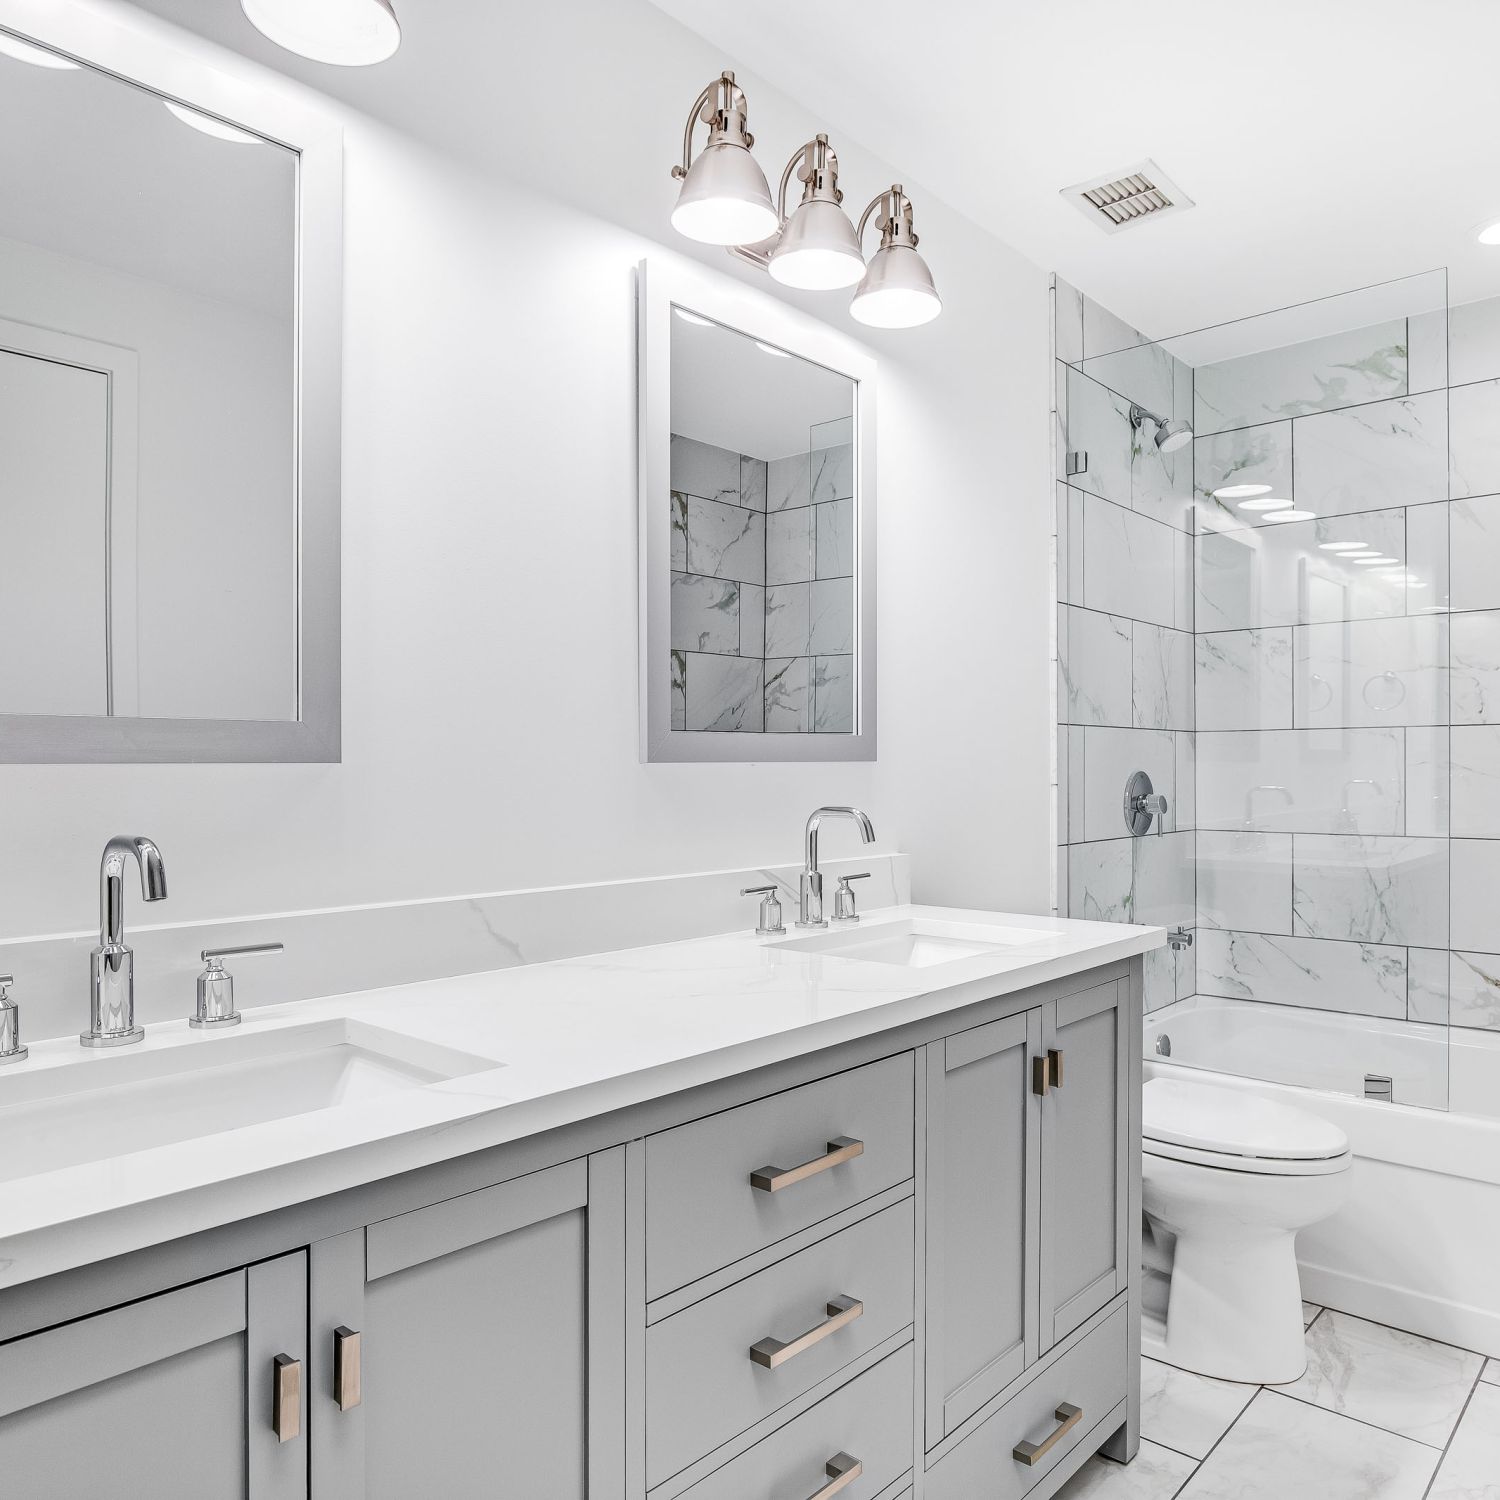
[(1170, 436), (1240, 491), (724, 199), (13, 46), (210, 126), (1270, 502), (347, 33)]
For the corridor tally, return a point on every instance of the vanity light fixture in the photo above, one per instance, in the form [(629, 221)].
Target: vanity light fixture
[(817, 249), (1240, 491), (13, 46), (347, 33), (210, 126), (724, 199), (898, 290), (1170, 436)]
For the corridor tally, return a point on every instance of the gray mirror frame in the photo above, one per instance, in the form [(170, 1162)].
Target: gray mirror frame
[(137, 57), (659, 286)]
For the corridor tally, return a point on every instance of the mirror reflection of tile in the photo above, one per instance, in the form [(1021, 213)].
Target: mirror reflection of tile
[(763, 587)]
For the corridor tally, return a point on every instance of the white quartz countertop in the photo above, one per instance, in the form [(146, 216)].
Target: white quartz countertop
[(560, 1042)]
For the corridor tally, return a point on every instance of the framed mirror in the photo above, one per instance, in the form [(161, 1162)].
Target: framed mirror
[(757, 528), (170, 288)]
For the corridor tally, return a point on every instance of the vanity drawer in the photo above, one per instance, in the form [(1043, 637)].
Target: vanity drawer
[(703, 1383), (868, 1421), (702, 1210), (1091, 1376)]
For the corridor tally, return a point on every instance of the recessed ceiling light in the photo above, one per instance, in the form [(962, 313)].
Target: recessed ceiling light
[(13, 46), (1240, 491), (1341, 546), (1292, 515), (349, 33), (210, 126), (1269, 503), (772, 349), (693, 318)]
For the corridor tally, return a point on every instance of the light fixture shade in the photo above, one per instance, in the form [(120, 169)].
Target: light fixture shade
[(1171, 436), (724, 198), (818, 250), (348, 33), (897, 290)]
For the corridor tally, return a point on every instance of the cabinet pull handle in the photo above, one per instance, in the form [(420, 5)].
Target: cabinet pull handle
[(286, 1397), (841, 1148), (347, 1391), (841, 1469), (1041, 1077), (1054, 1067), (1068, 1417), (772, 1353)]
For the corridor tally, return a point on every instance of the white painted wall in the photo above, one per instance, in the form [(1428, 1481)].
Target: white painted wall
[(489, 524)]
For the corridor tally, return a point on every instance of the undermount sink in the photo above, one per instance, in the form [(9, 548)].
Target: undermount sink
[(916, 942), (99, 1106)]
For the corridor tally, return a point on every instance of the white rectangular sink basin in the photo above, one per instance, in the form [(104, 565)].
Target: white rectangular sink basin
[(105, 1105), (916, 942)]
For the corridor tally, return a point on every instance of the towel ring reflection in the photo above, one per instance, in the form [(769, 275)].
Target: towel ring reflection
[(1389, 679)]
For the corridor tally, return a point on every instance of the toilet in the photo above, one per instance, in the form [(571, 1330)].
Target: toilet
[(1228, 1181)]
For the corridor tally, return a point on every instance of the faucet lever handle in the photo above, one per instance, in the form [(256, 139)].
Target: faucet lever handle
[(843, 898), (215, 1005), (770, 923), (11, 1049)]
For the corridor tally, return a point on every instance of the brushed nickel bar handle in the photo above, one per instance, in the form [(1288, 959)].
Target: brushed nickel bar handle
[(1054, 1067), (347, 1389), (841, 1469), (1041, 1077), (841, 1148), (286, 1398), (772, 1353), (1068, 1417)]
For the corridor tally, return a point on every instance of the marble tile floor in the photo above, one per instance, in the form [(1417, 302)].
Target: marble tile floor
[(1379, 1415)]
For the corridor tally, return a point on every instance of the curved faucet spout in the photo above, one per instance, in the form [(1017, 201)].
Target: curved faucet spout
[(811, 905), (112, 882), (112, 964)]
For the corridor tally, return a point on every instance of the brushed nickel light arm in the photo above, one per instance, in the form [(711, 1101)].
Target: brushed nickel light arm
[(816, 165), (894, 222), (722, 107)]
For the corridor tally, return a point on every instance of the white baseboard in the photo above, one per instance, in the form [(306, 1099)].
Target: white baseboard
[(1475, 1328)]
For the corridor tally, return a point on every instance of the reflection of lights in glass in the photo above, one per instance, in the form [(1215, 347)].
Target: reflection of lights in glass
[(1341, 546), (1269, 503), (1292, 515), (1359, 556), (207, 125), (1377, 561), (1488, 234), (693, 318), (1240, 491), (772, 349), (13, 46)]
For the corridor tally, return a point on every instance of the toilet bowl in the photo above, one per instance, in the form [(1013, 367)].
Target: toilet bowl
[(1228, 1180)]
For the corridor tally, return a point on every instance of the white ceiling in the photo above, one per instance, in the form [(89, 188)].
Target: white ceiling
[(1328, 143)]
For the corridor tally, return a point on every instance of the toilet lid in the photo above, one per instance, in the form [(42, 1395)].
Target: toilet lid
[(1206, 1117)]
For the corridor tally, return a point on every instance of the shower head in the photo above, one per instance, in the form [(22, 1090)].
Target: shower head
[(1170, 436)]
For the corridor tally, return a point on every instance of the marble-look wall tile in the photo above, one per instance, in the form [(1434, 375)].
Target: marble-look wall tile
[(1105, 333), (1109, 758), (1474, 439), (1426, 559), (679, 690), (1427, 985), (1161, 484), (1094, 664), (726, 541), (834, 538), (1061, 784), (1067, 321), (1373, 890), (830, 618), (1245, 881), (1185, 813), (1474, 866), (1303, 780), (1098, 424), (789, 482), (832, 471), (1475, 759), (1281, 575), (753, 472), (1134, 566), (1075, 785), (1475, 658), (1372, 672), (790, 554), (678, 532), (1474, 526), (725, 693), (1164, 880), (752, 620), (788, 688), (705, 614), (786, 620), (1474, 341), (1243, 679), (1323, 374), (1244, 455), (1101, 882), (1158, 979), (1141, 372), (1427, 350), (1474, 990), (1373, 457), (703, 470), (1357, 978), (833, 694), (1428, 778), (1162, 677), (1070, 544)]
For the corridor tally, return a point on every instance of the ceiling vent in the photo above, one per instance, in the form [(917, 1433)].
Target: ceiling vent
[(1125, 199)]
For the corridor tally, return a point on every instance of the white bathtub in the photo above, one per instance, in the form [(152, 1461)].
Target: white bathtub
[(1418, 1244)]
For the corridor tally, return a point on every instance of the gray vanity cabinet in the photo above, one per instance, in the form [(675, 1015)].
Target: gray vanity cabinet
[(452, 1344), (196, 1394)]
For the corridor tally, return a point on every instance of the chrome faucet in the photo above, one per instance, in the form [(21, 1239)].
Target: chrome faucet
[(112, 964), (810, 906)]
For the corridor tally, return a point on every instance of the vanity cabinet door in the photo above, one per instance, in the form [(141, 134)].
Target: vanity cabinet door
[(176, 1396), (455, 1346), (1085, 1155), (983, 1211)]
